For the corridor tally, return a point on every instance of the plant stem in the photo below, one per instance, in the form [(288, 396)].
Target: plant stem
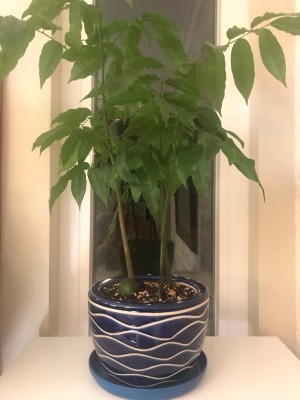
[(164, 263), (249, 32), (124, 234), (162, 82), (124, 237)]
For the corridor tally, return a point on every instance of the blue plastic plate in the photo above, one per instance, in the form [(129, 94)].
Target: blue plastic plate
[(167, 391)]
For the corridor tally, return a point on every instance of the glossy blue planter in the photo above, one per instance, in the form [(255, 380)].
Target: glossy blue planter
[(148, 345)]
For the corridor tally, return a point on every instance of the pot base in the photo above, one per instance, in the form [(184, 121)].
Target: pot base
[(162, 391)]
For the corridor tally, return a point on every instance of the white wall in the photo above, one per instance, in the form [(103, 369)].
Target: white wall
[(275, 222), (24, 208), (265, 240), (232, 197), (297, 197)]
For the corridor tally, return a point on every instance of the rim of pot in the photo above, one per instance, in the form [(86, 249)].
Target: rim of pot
[(201, 295)]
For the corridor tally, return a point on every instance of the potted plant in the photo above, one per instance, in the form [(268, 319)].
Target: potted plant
[(148, 331)]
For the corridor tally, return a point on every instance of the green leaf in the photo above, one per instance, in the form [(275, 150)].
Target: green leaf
[(173, 181), (132, 96), (235, 31), (112, 225), (236, 137), (151, 167), (161, 21), (236, 157), (59, 188), (42, 23), (91, 16), (67, 121), (201, 176), (220, 48), (136, 192), (114, 71), (215, 77), (129, 2), (189, 81), (181, 115), (15, 36), (84, 149), (151, 195), (143, 122), (72, 117), (272, 55), (132, 40), (208, 119), (180, 100), (123, 170), (69, 153), (119, 84), (12, 31), (184, 85), (147, 79), (82, 70), (47, 138), (75, 174), (171, 45), (50, 57), (113, 28), (73, 37), (163, 108), (87, 61), (140, 63), (167, 35), (78, 185), (47, 10), (127, 176), (288, 24), (90, 143), (242, 66), (187, 159), (210, 144), (114, 52), (97, 91), (267, 16), (100, 179)]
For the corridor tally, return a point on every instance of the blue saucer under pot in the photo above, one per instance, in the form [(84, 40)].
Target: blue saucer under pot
[(148, 345)]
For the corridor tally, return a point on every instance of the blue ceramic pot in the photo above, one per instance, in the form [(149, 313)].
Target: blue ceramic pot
[(144, 345)]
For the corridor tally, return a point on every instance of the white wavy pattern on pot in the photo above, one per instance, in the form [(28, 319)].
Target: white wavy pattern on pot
[(148, 314), (153, 365), (138, 355), (134, 331), (150, 324), (152, 349), (156, 380), (151, 368)]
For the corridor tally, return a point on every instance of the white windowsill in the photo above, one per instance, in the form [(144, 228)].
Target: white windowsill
[(245, 368)]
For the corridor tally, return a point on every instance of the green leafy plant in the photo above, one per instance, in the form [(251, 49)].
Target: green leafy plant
[(169, 106)]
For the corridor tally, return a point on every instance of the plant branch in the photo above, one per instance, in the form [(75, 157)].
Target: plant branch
[(164, 262), (118, 188), (42, 32), (124, 234), (247, 34), (162, 82)]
